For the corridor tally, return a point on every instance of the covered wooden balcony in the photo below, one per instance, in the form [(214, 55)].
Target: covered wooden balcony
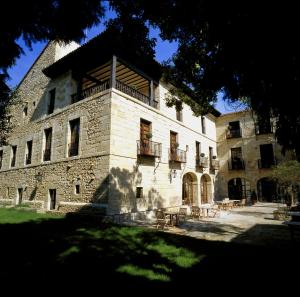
[(120, 75)]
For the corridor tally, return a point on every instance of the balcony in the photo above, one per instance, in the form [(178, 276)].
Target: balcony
[(233, 133), (202, 161), (215, 164), (266, 164), (28, 159), (116, 74), (91, 91), (47, 155), (148, 148), (263, 129), (236, 164), (177, 155), (73, 149)]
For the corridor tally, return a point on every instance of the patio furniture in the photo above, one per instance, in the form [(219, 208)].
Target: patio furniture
[(214, 211), (195, 213), (242, 202), (182, 215), (161, 219)]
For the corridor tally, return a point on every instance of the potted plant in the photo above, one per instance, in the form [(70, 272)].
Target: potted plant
[(148, 135), (202, 155)]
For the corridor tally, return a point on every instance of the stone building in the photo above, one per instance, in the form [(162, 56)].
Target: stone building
[(91, 130), (247, 150)]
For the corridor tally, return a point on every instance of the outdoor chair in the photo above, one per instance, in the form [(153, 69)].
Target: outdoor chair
[(214, 211), (242, 202), (195, 213), (182, 215), (161, 220)]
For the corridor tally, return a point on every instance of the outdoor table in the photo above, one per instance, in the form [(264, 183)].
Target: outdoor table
[(173, 215)]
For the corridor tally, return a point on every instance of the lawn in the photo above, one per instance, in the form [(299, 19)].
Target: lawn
[(78, 254)]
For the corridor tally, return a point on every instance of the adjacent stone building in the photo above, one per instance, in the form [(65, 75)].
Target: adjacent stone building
[(91, 130), (247, 150)]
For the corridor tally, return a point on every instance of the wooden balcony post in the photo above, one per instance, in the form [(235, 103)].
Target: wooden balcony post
[(113, 72), (151, 90)]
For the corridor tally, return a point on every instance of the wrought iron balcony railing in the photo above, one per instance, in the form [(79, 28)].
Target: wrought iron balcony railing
[(263, 129), (105, 85), (147, 147), (215, 164), (263, 164), (177, 155), (236, 164), (202, 161)]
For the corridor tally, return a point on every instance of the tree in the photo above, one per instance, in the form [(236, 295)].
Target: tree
[(34, 20), (241, 48), (287, 174)]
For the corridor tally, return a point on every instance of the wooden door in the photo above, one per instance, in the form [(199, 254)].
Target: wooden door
[(173, 147), (145, 131), (204, 191), (187, 190)]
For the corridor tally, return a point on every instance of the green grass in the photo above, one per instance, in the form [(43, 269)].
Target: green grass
[(19, 215), (42, 249)]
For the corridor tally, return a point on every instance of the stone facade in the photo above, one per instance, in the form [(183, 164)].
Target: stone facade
[(107, 172), (249, 142)]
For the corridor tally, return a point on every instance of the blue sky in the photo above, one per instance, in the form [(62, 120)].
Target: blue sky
[(164, 50)]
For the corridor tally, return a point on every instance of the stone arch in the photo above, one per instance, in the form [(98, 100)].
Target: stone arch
[(189, 188), (206, 189), (239, 188), (267, 189)]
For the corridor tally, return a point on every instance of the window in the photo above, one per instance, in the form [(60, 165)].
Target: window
[(210, 155), (48, 141), (203, 125), (237, 161), (267, 156), (25, 111), (52, 198), (28, 152), (77, 189), (33, 103), (139, 192), (51, 101), (234, 129), (14, 155), (1, 158), (20, 195), (198, 150), (179, 115), (74, 143)]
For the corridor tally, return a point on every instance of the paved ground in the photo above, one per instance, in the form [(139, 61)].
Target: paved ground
[(250, 224)]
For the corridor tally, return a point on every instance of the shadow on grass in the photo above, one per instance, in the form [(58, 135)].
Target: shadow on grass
[(77, 254)]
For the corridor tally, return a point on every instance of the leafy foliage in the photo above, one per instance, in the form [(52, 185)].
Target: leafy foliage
[(244, 49), (287, 173)]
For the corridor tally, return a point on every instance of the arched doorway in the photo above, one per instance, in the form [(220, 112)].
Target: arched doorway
[(266, 189), (238, 188), (205, 189), (189, 189)]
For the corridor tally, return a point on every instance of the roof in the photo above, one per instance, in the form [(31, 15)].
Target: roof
[(100, 50)]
